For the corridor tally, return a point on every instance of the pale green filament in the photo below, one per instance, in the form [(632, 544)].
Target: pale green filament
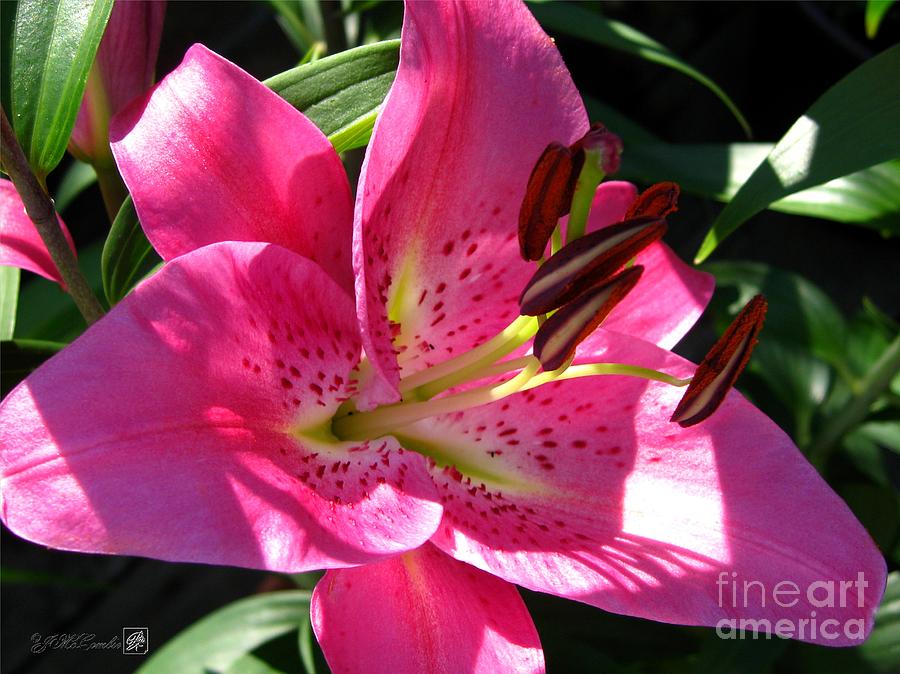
[(381, 421), (428, 383), (595, 369), (386, 420), (590, 176)]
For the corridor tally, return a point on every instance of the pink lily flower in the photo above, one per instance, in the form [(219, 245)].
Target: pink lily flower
[(206, 417), (20, 244), (124, 68)]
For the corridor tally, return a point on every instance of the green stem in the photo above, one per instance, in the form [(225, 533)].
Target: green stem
[(872, 385), (112, 188), (585, 188), (40, 210)]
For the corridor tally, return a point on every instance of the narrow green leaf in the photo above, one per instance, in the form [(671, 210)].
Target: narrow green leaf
[(882, 649), (306, 647), (875, 11), (77, 178), (250, 664), (870, 197), (221, 638), (341, 94), (851, 127), (53, 48), (127, 254), (21, 357), (9, 300), (590, 26), (302, 27)]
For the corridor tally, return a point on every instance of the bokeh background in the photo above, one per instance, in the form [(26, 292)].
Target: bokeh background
[(773, 60)]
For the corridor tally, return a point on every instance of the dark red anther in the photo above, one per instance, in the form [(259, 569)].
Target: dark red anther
[(586, 263), (657, 201), (548, 197), (722, 365), (560, 335)]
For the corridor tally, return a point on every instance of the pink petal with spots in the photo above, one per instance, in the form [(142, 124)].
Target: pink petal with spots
[(20, 244), (671, 295), (480, 91), (214, 155), (583, 489), (174, 427), (423, 612)]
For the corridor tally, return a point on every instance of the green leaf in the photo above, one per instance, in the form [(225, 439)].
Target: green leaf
[(301, 21), (306, 646), (45, 312), (874, 448), (590, 26), (341, 94), (127, 254), (250, 664), (9, 299), (77, 178), (21, 357), (53, 48), (800, 314), (851, 127), (882, 650), (870, 197), (218, 640), (875, 11)]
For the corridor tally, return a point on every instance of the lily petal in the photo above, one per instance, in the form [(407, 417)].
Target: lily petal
[(214, 155), (423, 612), (187, 425), (583, 489), (124, 68), (20, 244), (671, 296), (480, 92)]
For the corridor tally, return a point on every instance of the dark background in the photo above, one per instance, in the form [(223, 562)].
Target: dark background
[(773, 59)]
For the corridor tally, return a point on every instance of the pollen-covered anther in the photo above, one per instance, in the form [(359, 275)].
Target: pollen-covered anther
[(586, 263), (548, 197), (722, 365), (561, 334), (657, 201)]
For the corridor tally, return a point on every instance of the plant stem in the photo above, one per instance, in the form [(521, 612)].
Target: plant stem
[(40, 210), (872, 385), (112, 188)]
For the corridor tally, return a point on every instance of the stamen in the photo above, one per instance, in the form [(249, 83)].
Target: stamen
[(657, 201), (548, 197), (384, 420), (721, 366), (601, 150), (585, 262), (561, 334), (433, 380)]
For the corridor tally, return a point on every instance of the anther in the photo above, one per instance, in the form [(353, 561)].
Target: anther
[(561, 334), (657, 201), (586, 263), (548, 197), (722, 365)]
